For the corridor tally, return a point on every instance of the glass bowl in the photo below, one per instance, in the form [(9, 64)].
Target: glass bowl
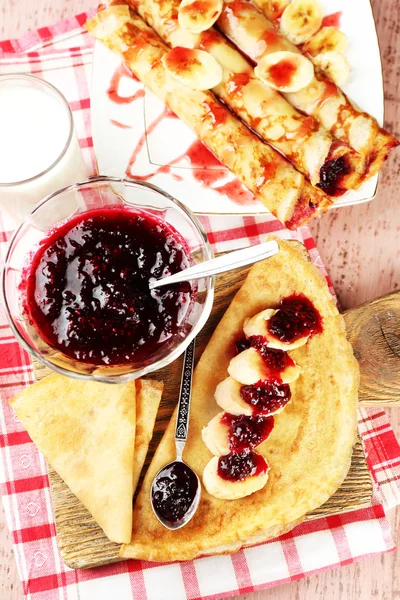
[(95, 193)]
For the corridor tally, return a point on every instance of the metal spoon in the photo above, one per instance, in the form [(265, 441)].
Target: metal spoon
[(175, 492), (226, 262)]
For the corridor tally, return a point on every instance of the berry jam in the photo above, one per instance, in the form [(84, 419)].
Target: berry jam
[(266, 397), (174, 491), (296, 318), (331, 174), (87, 288), (246, 433), (236, 467)]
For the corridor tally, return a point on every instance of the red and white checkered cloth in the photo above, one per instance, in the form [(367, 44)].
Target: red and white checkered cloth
[(63, 55)]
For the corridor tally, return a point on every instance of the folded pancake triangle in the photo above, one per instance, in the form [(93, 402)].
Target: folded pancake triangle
[(86, 430)]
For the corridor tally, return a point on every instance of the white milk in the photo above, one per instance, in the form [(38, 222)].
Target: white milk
[(34, 131)]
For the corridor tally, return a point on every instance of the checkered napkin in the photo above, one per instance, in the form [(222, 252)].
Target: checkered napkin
[(63, 55)]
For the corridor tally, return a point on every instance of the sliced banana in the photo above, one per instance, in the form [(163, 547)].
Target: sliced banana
[(335, 65), (285, 71), (196, 69), (216, 436), (227, 396), (249, 367), (258, 325), (301, 19), (224, 427), (225, 489), (327, 39), (199, 15), (273, 9)]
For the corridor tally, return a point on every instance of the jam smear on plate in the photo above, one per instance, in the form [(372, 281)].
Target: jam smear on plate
[(266, 397), (296, 317), (174, 491), (237, 467), (87, 288), (246, 432)]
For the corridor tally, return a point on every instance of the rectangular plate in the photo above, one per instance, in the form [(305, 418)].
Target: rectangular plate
[(120, 128), (82, 542)]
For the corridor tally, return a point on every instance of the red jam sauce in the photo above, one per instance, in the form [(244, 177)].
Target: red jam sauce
[(331, 174), (266, 397), (87, 288), (281, 73), (173, 491), (296, 318), (332, 20), (246, 433), (237, 467)]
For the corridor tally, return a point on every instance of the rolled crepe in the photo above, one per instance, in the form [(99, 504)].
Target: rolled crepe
[(264, 171), (306, 144), (256, 36)]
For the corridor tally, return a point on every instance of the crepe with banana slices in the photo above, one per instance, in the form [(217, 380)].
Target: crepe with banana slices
[(257, 37), (309, 450), (263, 170)]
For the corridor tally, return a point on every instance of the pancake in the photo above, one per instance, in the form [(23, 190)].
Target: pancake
[(148, 397), (310, 448), (86, 430)]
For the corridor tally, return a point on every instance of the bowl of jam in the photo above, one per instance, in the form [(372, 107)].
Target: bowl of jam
[(77, 273)]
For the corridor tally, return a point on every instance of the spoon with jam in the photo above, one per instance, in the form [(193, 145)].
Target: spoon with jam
[(175, 492)]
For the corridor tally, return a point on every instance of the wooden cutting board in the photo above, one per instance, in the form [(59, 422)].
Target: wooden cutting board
[(82, 542)]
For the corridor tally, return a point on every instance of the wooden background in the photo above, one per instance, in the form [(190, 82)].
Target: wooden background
[(360, 247)]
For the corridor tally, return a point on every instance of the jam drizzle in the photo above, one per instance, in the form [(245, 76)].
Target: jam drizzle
[(332, 20), (281, 73), (207, 169)]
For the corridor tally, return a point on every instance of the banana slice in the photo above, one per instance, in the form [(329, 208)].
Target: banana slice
[(285, 71), (249, 474), (227, 433), (327, 39), (265, 401), (195, 68), (335, 65), (216, 435), (199, 15), (301, 19), (249, 368), (227, 396), (273, 9), (257, 325)]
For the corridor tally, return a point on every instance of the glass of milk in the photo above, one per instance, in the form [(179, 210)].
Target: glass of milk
[(39, 149)]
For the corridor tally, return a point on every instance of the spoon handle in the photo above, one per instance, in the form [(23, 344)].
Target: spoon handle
[(182, 418), (221, 264)]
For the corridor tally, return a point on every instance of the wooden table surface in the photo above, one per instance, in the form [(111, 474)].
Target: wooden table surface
[(360, 247)]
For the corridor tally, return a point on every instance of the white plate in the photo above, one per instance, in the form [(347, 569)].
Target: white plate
[(170, 138)]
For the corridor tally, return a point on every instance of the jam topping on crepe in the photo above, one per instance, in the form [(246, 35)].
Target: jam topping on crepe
[(87, 289), (266, 397), (237, 467), (173, 492), (296, 317), (246, 433)]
